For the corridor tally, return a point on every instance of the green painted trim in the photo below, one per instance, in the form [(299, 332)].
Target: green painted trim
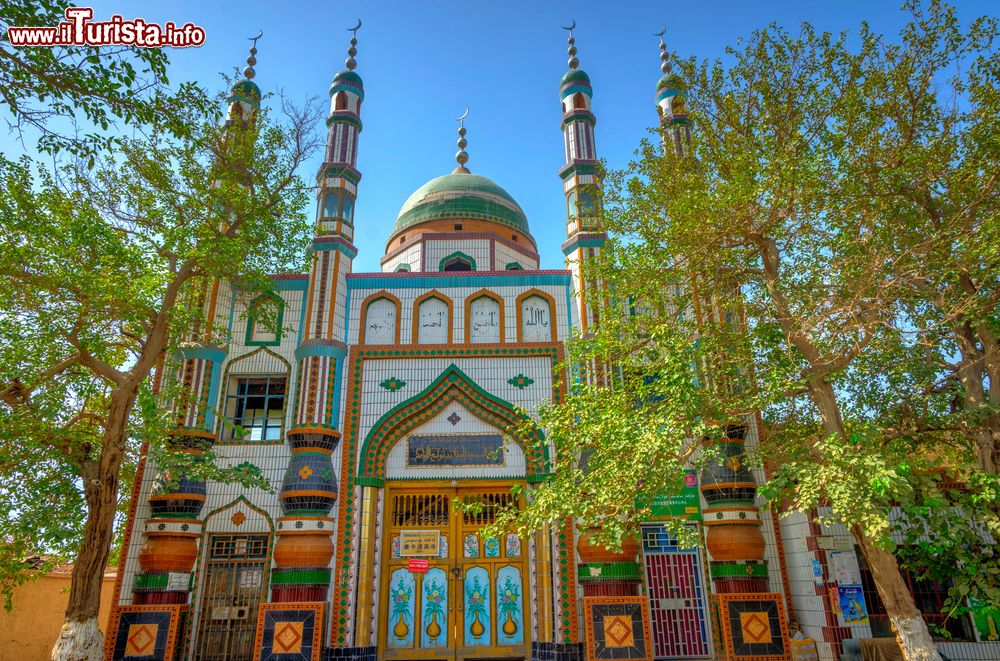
[(213, 354), (252, 319), (537, 478), (339, 247), (528, 279), (606, 570), (749, 570), (291, 285), (457, 254), (583, 243), (299, 576), (367, 481), (513, 266)]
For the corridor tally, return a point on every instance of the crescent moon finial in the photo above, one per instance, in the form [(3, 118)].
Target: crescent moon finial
[(260, 33), (463, 116), (355, 28), (569, 28)]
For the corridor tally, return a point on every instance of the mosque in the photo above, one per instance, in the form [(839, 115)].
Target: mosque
[(379, 399)]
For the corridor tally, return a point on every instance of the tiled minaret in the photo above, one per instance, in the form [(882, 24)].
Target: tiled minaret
[(584, 237), (168, 555), (671, 105), (309, 490)]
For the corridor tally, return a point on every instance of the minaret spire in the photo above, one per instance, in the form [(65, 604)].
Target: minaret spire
[(670, 104), (244, 97), (462, 156), (584, 237)]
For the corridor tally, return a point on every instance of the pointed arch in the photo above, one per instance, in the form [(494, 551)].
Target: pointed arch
[(253, 307), (483, 293), (414, 339), (452, 385), (362, 339), (552, 312), (455, 257), (579, 101), (340, 101)]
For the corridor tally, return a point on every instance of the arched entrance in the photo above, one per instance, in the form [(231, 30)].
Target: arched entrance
[(444, 590)]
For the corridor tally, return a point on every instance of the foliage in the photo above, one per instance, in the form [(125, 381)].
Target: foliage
[(104, 269), (827, 241), (74, 98)]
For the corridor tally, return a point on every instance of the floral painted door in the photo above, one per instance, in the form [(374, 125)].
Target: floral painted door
[(470, 602)]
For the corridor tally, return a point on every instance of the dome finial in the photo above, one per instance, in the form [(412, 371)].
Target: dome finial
[(664, 56), (351, 64), (573, 62), (249, 73), (462, 156)]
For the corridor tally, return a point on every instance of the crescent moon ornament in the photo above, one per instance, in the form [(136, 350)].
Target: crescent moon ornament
[(660, 34), (571, 27), (461, 119), (355, 28), (260, 34)]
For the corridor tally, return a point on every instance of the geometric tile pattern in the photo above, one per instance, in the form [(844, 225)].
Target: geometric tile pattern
[(617, 628), (753, 627), (289, 632), (144, 633)]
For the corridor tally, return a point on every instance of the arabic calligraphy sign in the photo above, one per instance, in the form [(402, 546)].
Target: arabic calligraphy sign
[(455, 450)]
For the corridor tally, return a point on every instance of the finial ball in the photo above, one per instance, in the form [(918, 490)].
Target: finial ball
[(462, 157), (573, 63)]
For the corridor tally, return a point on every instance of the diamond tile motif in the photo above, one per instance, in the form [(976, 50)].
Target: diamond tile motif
[(753, 627), (288, 637), (141, 639), (617, 628), (289, 632), (454, 418), (144, 633), (305, 472), (238, 518)]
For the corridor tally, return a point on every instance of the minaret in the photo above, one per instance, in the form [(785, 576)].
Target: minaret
[(167, 557), (584, 237), (309, 490), (671, 106)]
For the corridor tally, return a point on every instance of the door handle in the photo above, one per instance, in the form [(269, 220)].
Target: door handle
[(455, 571)]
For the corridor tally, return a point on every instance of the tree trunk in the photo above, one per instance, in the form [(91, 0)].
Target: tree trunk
[(80, 638), (911, 631)]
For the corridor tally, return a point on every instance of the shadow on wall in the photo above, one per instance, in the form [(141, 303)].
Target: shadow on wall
[(28, 632)]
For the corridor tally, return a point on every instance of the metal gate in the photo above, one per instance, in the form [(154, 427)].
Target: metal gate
[(677, 604), (233, 584)]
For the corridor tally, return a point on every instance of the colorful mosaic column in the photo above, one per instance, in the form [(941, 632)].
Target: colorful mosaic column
[(604, 573), (167, 557), (584, 237), (304, 548)]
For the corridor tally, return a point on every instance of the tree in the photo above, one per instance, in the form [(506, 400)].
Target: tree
[(71, 97), (778, 244), (103, 269)]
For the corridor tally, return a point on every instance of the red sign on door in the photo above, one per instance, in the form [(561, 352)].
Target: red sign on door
[(418, 565)]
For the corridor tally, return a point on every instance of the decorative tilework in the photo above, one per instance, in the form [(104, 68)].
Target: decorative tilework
[(617, 628), (392, 384), (146, 633), (289, 632), (753, 627), (520, 381)]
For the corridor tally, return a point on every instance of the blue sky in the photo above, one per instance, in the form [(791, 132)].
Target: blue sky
[(424, 62)]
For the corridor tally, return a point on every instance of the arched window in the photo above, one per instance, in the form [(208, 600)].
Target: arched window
[(265, 315), (432, 321), (514, 266), (457, 261), (331, 204), (579, 101), (403, 268), (535, 317), (340, 102), (380, 322), (348, 212)]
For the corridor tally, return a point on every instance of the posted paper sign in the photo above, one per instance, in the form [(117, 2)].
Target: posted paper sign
[(852, 604)]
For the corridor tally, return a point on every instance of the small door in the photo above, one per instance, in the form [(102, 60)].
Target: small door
[(470, 602), (677, 604), (233, 584)]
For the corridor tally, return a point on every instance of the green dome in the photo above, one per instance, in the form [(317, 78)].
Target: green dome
[(461, 195), (576, 75), (245, 91)]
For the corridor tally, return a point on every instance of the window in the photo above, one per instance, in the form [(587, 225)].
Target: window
[(341, 101), (331, 204), (264, 321), (457, 261), (257, 404), (348, 212), (403, 268), (929, 596), (514, 266), (579, 101), (458, 226)]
